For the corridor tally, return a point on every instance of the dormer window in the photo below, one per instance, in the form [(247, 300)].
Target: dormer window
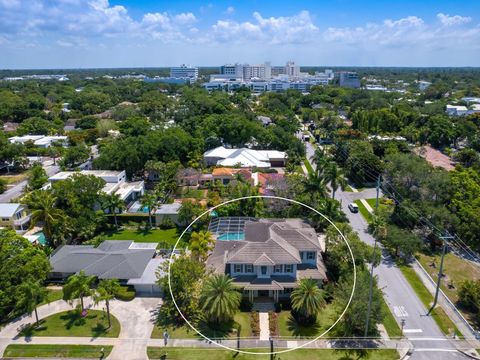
[(238, 268), (277, 269), (311, 255), (288, 268)]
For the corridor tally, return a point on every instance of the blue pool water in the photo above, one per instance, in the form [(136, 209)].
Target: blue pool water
[(232, 236), (144, 209), (41, 238)]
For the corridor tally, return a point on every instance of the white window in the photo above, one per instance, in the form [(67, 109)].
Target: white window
[(249, 268), (238, 268), (277, 269), (310, 255), (288, 268), (5, 219)]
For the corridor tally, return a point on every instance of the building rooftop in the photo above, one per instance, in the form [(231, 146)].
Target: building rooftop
[(8, 209), (168, 209), (112, 259)]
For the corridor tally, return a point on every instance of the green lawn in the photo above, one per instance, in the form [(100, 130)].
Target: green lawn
[(308, 166), (389, 322), (456, 270), (241, 322), (168, 237), (220, 354), (56, 351), (363, 210), (70, 323), (438, 314), (192, 193), (288, 326), (53, 295)]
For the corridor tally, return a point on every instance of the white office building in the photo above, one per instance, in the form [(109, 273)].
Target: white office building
[(183, 72)]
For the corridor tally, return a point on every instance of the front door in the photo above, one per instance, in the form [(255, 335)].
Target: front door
[(262, 293)]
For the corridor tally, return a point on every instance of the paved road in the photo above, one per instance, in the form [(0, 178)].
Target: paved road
[(420, 329), (17, 190)]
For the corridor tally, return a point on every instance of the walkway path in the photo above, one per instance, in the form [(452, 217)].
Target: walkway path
[(264, 325), (135, 317)]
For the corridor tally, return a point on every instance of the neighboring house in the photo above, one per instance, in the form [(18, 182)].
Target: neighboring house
[(244, 157), (227, 175), (266, 257), (167, 211), (116, 183), (456, 110), (267, 183), (265, 120), (129, 262), (41, 141), (15, 216)]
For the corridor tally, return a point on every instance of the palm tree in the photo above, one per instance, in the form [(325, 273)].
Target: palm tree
[(320, 160), (42, 203), (78, 286), (335, 176), (315, 185), (332, 236), (114, 204), (200, 244), (150, 202), (308, 299), (219, 298), (378, 227), (30, 294), (106, 291)]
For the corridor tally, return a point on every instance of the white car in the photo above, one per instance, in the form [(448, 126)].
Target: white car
[(353, 207)]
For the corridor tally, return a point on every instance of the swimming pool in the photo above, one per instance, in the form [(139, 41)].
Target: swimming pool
[(41, 238), (232, 236)]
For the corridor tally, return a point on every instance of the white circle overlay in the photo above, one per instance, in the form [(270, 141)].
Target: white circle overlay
[(171, 260)]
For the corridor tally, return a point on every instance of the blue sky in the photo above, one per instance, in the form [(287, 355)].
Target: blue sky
[(125, 33)]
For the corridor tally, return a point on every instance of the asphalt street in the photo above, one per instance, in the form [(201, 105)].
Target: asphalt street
[(420, 329)]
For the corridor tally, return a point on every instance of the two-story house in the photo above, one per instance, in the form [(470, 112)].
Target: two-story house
[(14, 216), (266, 257)]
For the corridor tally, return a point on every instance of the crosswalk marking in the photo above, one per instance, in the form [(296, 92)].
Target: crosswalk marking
[(400, 311), (410, 331)]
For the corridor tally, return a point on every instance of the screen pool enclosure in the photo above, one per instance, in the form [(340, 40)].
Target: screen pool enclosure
[(229, 228)]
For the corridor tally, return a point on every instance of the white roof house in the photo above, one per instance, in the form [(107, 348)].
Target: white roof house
[(222, 156), (39, 140), (456, 110), (7, 210), (115, 182)]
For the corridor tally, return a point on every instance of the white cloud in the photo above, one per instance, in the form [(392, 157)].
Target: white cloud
[(230, 10), (448, 20), (64, 43), (298, 28)]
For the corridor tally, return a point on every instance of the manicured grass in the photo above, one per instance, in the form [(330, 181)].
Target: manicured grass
[(389, 322), (456, 270), (13, 179), (53, 295), (220, 354), (57, 351), (363, 210), (192, 193), (241, 322), (445, 324), (71, 323), (168, 236), (308, 166), (288, 326)]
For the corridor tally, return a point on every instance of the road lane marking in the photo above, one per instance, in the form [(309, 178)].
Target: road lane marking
[(411, 331), (400, 311)]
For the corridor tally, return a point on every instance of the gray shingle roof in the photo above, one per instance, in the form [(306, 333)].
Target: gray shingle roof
[(113, 259)]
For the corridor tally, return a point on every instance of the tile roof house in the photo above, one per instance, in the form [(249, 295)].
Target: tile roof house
[(124, 260), (268, 256), (244, 157)]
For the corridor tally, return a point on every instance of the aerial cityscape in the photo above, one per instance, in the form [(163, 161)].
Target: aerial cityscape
[(239, 180)]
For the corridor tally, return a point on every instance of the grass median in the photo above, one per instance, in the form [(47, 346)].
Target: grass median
[(445, 324), (57, 351), (299, 354)]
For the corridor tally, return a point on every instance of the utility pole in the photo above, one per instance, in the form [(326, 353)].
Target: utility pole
[(370, 293), (444, 238)]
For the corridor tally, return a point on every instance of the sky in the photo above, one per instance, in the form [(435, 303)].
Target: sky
[(157, 33)]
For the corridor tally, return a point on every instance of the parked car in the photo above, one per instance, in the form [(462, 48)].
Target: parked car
[(353, 207)]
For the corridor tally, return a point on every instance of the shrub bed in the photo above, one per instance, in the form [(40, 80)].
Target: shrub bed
[(255, 323), (125, 293)]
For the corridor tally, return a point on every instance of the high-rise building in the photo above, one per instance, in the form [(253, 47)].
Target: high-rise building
[(348, 79), (184, 71), (291, 69)]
